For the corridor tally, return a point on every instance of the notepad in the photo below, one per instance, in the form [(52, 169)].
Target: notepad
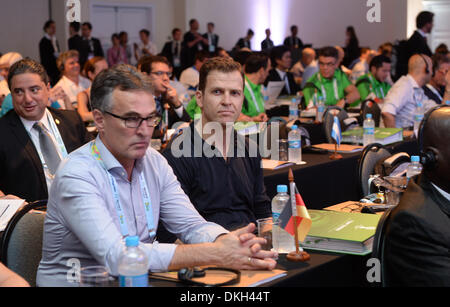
[(343, 148), (8, 207)]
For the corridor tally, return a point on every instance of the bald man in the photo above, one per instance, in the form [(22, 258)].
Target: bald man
[(418, 231), (306, 67), (399, 104)]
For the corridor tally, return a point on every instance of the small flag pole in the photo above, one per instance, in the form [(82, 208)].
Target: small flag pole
[(335, 155), (297, 255)]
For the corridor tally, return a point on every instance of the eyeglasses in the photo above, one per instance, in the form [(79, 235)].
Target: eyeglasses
[(162, 73), (135, 122)]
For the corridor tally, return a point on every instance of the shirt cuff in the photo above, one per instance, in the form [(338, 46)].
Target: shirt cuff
[(389, 108), (179, 111), (159, 255)]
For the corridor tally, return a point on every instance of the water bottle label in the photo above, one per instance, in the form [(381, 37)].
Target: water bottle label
[(418, 117), (369, 131), (293, 112), (295, 144), (133, 281), (320, 108), (275, 216)]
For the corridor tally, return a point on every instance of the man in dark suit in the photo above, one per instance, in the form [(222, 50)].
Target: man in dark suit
[(172, 52), (34, 138), (292, 41), (91, 45), (435, 89), (75, 41), (418, 231), (281, 61), (212, 38), (49, 51), (267, 44), (417, 43), (192, 43)]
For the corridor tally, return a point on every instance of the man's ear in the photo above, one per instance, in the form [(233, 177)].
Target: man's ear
[(199, 97), (99, 119)]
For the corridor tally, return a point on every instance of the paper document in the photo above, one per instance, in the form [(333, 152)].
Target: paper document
[(274, 89), (8, 207)]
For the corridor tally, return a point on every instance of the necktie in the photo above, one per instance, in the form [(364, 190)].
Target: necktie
[(286, 80), (48, 149)]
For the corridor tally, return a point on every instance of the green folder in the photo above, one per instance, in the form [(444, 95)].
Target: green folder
[(341, 232), (383, 136)]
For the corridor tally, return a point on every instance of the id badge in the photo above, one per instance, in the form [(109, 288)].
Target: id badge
[(212, 48), (176, 62)]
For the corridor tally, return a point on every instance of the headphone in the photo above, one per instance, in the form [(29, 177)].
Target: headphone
[(427, 68), (185, 276), (427, 158)]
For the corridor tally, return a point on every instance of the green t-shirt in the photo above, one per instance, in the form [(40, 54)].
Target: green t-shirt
[(251, 107), (332, 90), (367, 84)]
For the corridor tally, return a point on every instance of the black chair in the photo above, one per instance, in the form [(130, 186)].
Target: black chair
[(21, 245), (370, 155), (379, 242), (369, 106)]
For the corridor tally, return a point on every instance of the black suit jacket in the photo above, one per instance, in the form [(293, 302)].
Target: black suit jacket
[(86, 48), (76, 43), (274, 76), (215, 41), (417, 44), (21, 170), (267, 44), (48, 59), (417, 249), (429, 93)]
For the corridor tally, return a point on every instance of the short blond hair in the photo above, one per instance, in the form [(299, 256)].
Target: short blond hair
[(63, 57)]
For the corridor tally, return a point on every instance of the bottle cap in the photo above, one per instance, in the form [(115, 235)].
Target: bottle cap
[(281, 188), (415, 159), (294, 127), (368, 115), (294, 99), (132, 241), (447, 102)]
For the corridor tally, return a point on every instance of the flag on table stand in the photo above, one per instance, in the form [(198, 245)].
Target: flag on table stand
[(299, 212), (336, 131)]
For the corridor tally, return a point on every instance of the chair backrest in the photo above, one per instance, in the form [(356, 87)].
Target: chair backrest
[(371, 107), (370, 155), (328, 119), (22, 241), (378, 243)]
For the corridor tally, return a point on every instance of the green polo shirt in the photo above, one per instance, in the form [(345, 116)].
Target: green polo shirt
[(248, 107), (332, 95), (368, 83)]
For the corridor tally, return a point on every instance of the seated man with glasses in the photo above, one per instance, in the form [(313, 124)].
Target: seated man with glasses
[(116, 186), (330, 82), (166, 97), (435, 89)]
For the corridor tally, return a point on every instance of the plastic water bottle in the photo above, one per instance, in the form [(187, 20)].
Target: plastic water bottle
[(320, 109), (295, 145), (418, 116), (293, 109), (447, 102), (368, 130), (133, 265), (414, 168), (282, 241)]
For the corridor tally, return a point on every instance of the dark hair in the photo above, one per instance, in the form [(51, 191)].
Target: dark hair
[(192, 21), (255, 62), (353, 38), (147, 32), (47, 24), (250, 32), (211, 24), (201, 56), (293, 27), (123, 33), (423, 18), (175, 30), (277, 53), (442, 48), (242, 56), (438, 59), (89, 66), (88, 24), (123, 77), (378, 61), (329, 52), (220, 64), (27, 65), (145, 63), (115, 35), (75, 25)]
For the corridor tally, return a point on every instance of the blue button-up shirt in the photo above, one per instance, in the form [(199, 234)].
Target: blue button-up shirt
[(82, 226)]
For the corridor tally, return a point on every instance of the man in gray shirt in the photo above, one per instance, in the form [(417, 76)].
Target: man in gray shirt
[(99, 193)]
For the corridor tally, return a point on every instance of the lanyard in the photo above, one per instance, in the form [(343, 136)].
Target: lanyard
[(379, 95), (117, 204), (247, 85), (335, 87)]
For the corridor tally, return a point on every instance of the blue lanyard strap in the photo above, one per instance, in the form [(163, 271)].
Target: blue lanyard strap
[(117, 203)]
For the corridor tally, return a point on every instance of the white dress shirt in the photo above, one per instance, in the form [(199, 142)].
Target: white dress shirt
[(82, 224)]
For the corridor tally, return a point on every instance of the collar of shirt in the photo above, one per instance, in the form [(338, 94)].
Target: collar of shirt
[(425, 35), (111, 162), (281, 73), (256, 88), (49, 37), (445, 194), (326, 80), (44, 120), (412, 81)]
